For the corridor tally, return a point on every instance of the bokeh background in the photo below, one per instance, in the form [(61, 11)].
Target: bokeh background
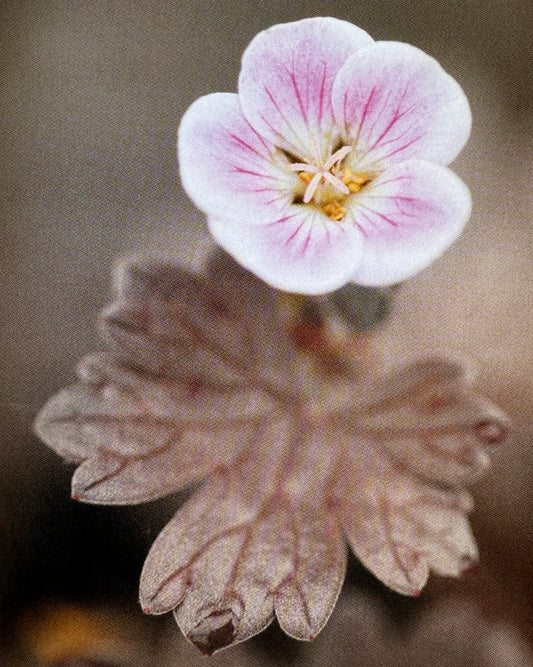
[(92, 93)]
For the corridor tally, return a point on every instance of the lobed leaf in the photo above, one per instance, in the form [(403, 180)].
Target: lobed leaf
[(428, 419), (219, 327), (200, 381), (399, 526), (228, 561)]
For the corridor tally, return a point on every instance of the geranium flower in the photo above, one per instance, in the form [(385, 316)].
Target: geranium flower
[(201, 381), (328, 165)]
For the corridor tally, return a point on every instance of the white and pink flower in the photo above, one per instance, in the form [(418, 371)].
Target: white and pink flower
[(328, 166)]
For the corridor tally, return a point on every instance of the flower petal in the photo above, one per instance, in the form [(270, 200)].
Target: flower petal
[(397, 103), (299, 251), (286, 80), (408, 216), (225, 164)]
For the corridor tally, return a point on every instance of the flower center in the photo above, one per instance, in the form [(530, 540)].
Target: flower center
[(329, 185)]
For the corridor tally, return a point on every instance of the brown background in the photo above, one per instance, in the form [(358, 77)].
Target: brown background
[(92, 93)]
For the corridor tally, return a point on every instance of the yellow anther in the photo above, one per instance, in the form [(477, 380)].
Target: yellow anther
[(334, 211), (354, 182), (305, 177)]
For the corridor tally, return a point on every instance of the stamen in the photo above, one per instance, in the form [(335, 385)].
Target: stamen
[(334, 211), (354, 182), (305, 177)]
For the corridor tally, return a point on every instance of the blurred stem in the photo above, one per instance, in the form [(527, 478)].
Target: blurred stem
[(361, 308)]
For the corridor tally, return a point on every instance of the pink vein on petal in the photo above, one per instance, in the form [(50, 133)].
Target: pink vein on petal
[(282, 220), (382, 108), (272, 99), (396, 138), (345, 102), (396, 117), (363, 117), (292, 77), (271, 127), (307, 86), (321, 95), (390, 180), (369, 220), (241, 170), (371, 195), (306, 242), (261, 139), (246, 145), (401, 148), (363, 231), (292, 236), (381, 215)]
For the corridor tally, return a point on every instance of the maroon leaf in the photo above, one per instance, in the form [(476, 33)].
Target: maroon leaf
[(148, 419), (202, 381), (171, 323)]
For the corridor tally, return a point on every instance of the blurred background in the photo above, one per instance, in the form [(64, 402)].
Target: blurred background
[(92, 93)]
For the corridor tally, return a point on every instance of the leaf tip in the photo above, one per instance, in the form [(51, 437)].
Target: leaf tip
[(78, 489), (491, 432), (468, 566), (470, 570), (214, 632)]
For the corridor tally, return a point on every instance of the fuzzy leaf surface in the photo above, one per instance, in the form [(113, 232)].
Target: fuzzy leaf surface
[(201, 380)]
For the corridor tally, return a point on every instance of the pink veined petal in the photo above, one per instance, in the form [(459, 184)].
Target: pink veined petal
[(408, 216), (396, 103), (225, 164), (286, 80), (299, 251)]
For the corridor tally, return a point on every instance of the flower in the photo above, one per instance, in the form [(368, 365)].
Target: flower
[(200, 381), (328, 165)]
